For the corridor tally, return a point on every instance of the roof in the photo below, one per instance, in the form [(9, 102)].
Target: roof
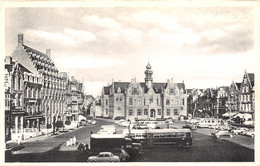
[(251, 78), (121, 85), (29, 49), (238, 85), (158, 87), (107, 136), (23, 69), (107, 90)]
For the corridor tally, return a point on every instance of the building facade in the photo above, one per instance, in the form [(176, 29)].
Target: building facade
[(74, 97), (144, 100), (47, 96)]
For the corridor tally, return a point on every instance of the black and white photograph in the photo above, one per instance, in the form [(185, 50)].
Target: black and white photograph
[(130, 82)]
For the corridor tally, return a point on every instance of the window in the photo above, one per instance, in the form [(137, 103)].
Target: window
[(172, 92), (151, 99), (168, 112), (176, 112), (145, 112), (167, 101), (176, 101), (158, 101), (106, 111), (181, 108), (106, 101), (130, 112), (130, 101), (139, 112), (183, 102), (159, 112), (144, 101)]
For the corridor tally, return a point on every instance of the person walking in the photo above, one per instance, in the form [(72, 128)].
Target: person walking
[(19, 140)]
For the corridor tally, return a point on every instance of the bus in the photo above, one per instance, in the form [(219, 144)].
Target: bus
[(210, 122), (151, 124), (162, 137)]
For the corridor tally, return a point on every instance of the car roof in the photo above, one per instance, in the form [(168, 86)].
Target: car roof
[(105, 153)]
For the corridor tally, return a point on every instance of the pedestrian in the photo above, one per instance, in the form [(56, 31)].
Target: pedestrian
[(19, 140), (81, 147), (86, 146), (74, 140), (71, 141), (68, 143)]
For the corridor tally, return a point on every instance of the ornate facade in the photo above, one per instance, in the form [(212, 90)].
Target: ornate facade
[(52, 88), (144, 99)]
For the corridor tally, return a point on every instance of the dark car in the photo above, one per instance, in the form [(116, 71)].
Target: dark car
[(83, 123), (121, 153)]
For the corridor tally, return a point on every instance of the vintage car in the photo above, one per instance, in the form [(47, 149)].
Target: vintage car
[(104, 157)]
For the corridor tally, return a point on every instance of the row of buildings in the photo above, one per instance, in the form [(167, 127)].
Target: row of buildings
[(37, 95), (224, 101), (153, 100)]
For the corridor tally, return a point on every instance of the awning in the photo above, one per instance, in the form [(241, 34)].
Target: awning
[(229, 114), (244, 115)]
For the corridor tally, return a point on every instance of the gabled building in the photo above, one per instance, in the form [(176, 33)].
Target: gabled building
[(53, 86), (233, 98), (22, 100), (222, 100), (144, 100), (246, 94)]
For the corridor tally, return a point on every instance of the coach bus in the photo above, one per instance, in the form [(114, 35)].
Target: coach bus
[(162, 137), (151, 124)]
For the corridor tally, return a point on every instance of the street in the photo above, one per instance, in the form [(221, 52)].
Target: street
[(204, 149)]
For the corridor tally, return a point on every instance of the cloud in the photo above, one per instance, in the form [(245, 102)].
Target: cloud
[(109, 29), (80, 36), (156, 18), (69, 37), (105, 22), (84, 61), (55, 37)]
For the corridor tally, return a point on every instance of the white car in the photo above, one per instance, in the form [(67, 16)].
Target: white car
[(125, 124), (119, 121), (104, 157), (250, 133), (94, 122), (239, 130), (105, 132)]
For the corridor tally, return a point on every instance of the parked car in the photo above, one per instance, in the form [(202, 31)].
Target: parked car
[(119, 121), (119, 118), (190, 126), (83, 122), (104, 157), (239, 130), (94, 122), (124, 123), (222, 133), (250, 133), (121, 153)]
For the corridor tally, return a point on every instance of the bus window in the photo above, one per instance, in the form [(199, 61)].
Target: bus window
[(169, 136), (163, 135), (138, 135), (144, 135)]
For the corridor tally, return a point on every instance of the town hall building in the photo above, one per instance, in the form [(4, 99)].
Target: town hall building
[(144, 100)]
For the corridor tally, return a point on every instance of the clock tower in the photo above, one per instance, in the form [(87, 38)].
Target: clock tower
[(148, 76)]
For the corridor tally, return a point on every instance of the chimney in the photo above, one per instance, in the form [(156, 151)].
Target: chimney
[(48, 52), (20, 39)]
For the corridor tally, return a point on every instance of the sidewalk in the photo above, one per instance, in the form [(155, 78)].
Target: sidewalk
[(13, 144)]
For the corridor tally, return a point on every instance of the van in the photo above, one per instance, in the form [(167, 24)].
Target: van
[(110, 128)]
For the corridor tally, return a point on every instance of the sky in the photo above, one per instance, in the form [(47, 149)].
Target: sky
[(202, 46)]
